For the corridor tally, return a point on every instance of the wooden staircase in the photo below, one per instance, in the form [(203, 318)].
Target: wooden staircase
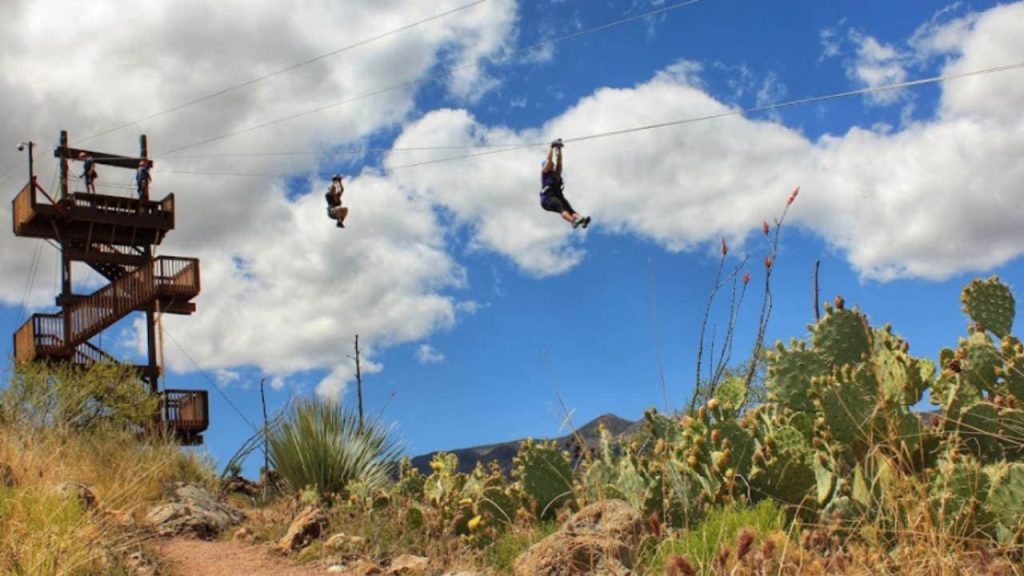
[(60, 335), (115, 236)]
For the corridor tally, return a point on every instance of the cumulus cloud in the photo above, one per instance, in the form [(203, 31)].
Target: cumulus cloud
[(932, 199), (282, 290), (877, 64), (427, 354)]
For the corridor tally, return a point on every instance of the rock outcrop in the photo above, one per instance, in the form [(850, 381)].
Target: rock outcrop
[(193, 510), (599, 539), (307, 526)]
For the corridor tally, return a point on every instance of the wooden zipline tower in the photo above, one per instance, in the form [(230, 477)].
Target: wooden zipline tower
[(115, 236)]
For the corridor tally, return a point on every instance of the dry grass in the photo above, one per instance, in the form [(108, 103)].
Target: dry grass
[(45, 531)]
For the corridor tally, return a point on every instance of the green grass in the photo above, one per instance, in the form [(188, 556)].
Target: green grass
[(702, 543)]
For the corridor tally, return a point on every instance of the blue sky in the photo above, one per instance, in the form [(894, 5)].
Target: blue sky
[(477, 310)]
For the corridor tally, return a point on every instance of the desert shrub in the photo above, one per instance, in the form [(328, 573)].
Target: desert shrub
[(77, 398), (322, 445)]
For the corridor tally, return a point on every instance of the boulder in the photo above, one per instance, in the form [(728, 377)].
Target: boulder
[(193, 510), (408, 565), (138, 564), (80, 492), (602, 538), (306, 527)]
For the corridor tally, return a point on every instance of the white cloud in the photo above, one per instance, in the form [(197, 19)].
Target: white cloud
[(282, 289), (931, 199), (877, 64), (427, 354)]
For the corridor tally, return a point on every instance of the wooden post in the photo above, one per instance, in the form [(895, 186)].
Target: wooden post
[(64, 256), (151, 328), (63, 165), (144, 154)]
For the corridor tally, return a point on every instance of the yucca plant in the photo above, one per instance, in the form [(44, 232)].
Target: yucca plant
[(323, 446)]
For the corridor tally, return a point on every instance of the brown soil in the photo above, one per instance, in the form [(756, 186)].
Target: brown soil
[(190, 557)]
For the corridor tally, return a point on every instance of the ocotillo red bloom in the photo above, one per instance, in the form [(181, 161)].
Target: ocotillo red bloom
[(725, 249), (765, 227), (768, 261), (746, 277), (793, 196)]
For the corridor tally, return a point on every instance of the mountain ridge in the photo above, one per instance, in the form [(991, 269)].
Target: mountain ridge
[(504, 452)]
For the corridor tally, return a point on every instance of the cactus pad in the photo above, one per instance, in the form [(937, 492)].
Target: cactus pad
[(978, 428), (990, 303), (842, 336), (790, 373), (1006, 502), (546, 477)]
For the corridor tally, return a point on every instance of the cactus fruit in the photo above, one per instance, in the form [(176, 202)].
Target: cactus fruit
[(989, 303), (842, 336), (546, 477), (740, 444)]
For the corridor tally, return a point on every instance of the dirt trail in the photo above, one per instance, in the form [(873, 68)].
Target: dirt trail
[(189, 557)]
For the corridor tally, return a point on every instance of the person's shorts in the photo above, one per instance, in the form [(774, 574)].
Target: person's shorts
[(553, 202), (334, 212)]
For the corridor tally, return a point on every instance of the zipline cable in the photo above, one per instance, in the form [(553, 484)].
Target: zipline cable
[(497, 148), (288, 68), (416, 80), (736, 112), (213, 384)]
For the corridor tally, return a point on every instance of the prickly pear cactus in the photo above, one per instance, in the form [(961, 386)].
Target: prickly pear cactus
[(902, 377), (978, 429), (1011, 373), (980, 362), (789, 375), (1006, 502), (990, 304), (731, 395), (848, 405), (842, 336), (445, 482), (498, 505), (410, 482), (958, 492), (545, 474)]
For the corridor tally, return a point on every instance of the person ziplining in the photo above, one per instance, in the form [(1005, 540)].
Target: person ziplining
[(552, 194), (335, 211)]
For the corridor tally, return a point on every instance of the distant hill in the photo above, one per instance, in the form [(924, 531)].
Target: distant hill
[(505, 451)]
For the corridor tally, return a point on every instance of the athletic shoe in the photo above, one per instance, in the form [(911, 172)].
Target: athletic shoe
[(577, 223), (340, 224), (586, 221)]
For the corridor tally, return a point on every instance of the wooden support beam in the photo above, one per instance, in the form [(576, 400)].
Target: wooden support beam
[(104, 158)]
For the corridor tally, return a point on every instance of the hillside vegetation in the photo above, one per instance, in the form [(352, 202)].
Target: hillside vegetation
[(77, 470)]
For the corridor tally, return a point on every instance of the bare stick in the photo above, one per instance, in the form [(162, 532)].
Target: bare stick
[(817, 293), (359, 384)]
